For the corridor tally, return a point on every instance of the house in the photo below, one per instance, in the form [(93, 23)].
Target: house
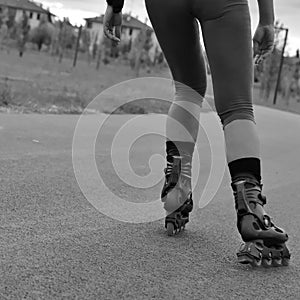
[(130, 28), (33, 10)]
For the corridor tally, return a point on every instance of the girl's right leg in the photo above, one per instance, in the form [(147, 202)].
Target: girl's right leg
[(227, 36), (178, 34)]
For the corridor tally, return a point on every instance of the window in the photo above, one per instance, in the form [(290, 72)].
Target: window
[(89, 25), (130, 31), (30, 15), (38, 16)]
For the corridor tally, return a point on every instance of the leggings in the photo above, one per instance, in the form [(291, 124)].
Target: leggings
[(226, 29)]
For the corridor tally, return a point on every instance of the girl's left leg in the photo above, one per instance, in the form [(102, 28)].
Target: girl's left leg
[(178, 34)]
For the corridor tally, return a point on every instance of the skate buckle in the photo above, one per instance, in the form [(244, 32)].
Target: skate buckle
[(267, 222)]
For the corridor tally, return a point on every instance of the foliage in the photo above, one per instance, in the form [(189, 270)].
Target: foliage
[(85, 40), (140, 49), (289, 84), (5, 94), (4, 17), (43, 34), (22, 32), (66, 36), (4, 33), (267, 73)]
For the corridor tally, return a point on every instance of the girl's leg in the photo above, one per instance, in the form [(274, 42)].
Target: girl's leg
[(178, 34), (229, 48)]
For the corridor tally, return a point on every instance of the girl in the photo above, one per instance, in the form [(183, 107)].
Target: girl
[(226, 32)]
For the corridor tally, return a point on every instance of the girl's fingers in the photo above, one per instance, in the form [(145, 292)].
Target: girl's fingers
[(263, 54), (256, 50), (109, 24), (108, 32), (118, 32), (268, 50), (258, 59)]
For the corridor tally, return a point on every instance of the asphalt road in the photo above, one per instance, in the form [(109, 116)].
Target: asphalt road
[(55, 245)]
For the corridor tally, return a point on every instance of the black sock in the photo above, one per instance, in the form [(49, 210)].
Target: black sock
[(245, 167)]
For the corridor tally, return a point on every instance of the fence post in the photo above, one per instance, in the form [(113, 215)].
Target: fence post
[(281, 64), (100, 49), (77, 46)]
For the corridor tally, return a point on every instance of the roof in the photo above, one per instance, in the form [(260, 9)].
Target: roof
[(95, 19), (128, 21), (24, 4)]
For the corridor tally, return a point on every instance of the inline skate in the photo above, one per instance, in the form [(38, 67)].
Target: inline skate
[(177, 194), (264, 243)]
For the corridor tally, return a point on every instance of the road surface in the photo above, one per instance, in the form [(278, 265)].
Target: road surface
[(55, 245)]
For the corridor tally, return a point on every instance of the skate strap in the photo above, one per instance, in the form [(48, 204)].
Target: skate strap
[(253, 194), (247, 181), (179, 168)]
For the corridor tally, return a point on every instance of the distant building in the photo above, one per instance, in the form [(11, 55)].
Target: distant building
[(130, 28), (33, 10)]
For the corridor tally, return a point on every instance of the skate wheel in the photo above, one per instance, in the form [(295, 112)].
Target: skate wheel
[(244, 259), (285, 257), (170, 229), (267, 261), (256, 263), (249, 255), (285, 262), (247, 259), (277, 262)]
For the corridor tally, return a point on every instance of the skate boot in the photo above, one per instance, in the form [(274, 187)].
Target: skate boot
[(177, 194), (264, 243)]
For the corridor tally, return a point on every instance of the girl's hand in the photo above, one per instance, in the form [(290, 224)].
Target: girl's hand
[(263, 42), (112, 24)]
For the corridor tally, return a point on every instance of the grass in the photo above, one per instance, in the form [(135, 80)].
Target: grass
[(292, 105), (38, 83), (6, 96)]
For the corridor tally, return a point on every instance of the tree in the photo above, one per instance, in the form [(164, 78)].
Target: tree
[(267, 73), (4, 17), (43, 34), (22, 32), (66, 37), (86, 43), (4, 33), (140, 48)]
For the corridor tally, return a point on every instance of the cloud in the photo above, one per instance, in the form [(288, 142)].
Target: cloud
[(52, 5), (75, 15)]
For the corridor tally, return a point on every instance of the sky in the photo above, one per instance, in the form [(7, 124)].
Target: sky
[(287, 11)]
